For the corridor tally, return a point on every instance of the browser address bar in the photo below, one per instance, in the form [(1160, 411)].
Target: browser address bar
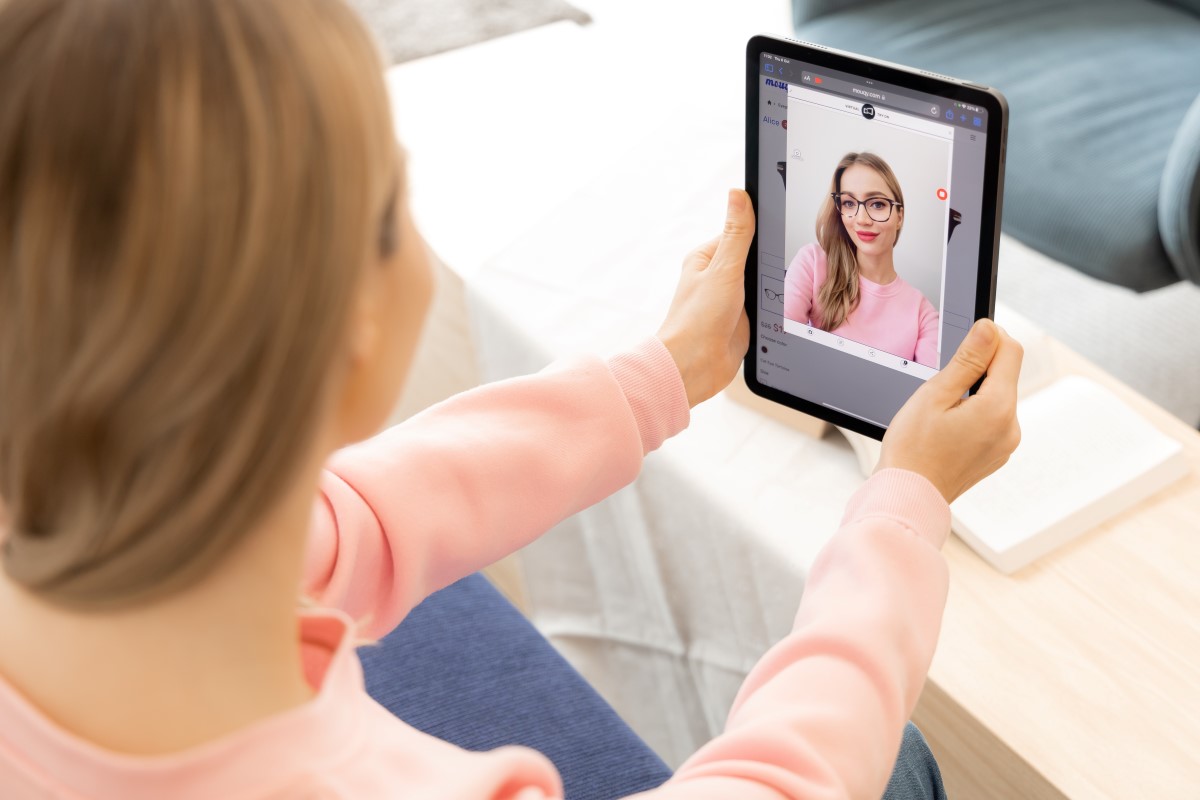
[(870, 94), (885, 116)]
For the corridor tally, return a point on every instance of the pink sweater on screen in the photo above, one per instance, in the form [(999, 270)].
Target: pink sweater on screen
[(892, 317), (472, 480)]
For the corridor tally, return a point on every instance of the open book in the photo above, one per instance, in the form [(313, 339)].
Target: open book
[(1085, 456)]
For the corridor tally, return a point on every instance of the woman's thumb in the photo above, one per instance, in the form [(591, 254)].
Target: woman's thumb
[(739, 218), (738, 232), (970, 361)]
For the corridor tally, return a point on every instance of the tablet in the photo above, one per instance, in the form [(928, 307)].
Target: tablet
[(877, 190)]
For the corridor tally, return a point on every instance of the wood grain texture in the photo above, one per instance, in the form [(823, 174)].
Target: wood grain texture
[(1076, 676), (974, 762)]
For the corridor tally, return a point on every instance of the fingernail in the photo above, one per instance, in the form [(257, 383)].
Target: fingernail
[(737, 200)]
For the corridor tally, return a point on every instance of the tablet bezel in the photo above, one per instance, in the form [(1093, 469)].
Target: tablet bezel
[(904, 77)]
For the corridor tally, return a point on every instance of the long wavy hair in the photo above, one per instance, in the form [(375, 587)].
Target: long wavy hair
[(838, 295), (189, 192)]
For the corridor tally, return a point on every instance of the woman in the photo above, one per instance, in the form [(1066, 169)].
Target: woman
[(846, 281), (210, 285)]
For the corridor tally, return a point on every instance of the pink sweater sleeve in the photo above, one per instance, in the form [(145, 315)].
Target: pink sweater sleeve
[(927, 335), (800, 285), (822, 713), (473, 479)]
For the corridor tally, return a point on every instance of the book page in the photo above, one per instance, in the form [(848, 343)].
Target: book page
[(1080, 445)]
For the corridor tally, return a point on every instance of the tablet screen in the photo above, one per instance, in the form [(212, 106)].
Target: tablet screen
[(870, 203)]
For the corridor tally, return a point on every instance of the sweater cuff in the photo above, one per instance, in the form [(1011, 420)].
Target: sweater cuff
[(905, 497), (654, 389)]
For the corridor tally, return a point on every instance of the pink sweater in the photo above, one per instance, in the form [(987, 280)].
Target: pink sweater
[(892, 317), (473, 479)]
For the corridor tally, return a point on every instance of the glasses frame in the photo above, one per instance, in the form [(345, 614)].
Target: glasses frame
[(861, 204)]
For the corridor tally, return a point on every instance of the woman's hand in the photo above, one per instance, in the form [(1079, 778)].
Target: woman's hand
[(954, 441), (706, 330)]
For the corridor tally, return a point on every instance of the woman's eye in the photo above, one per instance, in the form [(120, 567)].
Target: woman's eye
[(876, 205), (849, 205)]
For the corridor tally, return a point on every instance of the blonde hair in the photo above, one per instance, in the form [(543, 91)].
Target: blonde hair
[(838, 295), (189, 190)]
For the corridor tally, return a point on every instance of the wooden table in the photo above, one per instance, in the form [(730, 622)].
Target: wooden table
[(1078, 676)]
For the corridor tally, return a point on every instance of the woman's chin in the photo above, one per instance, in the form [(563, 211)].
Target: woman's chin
[(872, 249)]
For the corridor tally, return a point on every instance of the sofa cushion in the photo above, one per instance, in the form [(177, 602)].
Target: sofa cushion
[(1179, 198), (1097, 91), (1187, 5), (805, 10)]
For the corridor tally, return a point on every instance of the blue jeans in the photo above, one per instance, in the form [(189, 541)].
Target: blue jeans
[(467, 667)]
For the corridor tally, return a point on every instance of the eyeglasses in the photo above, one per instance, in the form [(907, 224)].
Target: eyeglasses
[(878, 208), (773, 295)]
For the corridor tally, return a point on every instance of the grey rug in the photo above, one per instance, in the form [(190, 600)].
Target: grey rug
[(414, 28)]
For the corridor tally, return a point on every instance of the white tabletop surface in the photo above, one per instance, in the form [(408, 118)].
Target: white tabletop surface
[(501, 132)]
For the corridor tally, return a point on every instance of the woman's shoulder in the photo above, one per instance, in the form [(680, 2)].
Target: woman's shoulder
[(916, 296), (811, 253), (810, 259)]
